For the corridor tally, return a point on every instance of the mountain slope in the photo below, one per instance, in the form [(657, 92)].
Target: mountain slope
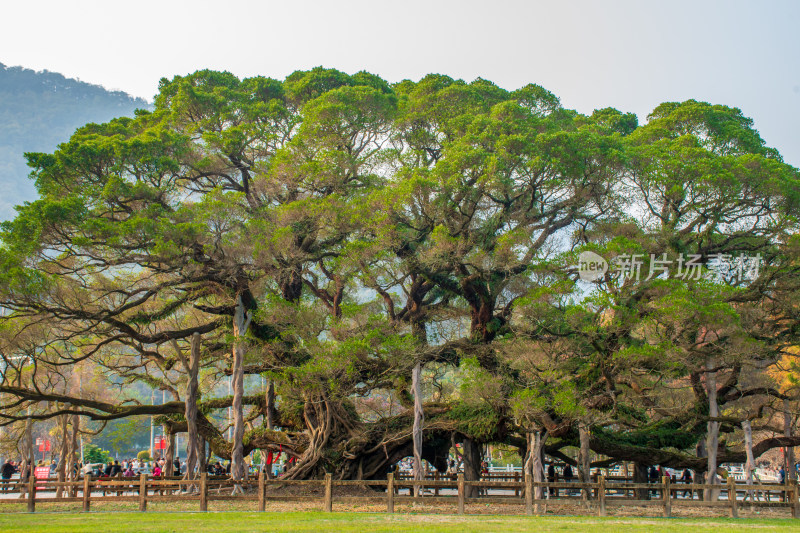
[(39, 110)]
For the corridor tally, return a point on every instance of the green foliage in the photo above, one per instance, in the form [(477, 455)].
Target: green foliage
[(476, 421), (366, 227), (122, 435), (94, 454)]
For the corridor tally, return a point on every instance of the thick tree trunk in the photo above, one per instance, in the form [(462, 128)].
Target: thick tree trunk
[(321, 424), (750, 465), (640, 476), (787, 432), (240, 325), (701, 453), (61, 471), (74, 453), (269, 420), (527, 465), (27, 454), (371, 460), (535, 455), (584, 462), (712, 437), (416, 385), (169, 453), (472, 465), (193, 440), (202, 463)]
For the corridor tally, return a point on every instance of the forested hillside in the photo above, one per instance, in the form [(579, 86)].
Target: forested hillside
[(38, 110)]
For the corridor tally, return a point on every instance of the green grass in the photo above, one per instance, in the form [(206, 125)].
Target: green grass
[(318, 522)]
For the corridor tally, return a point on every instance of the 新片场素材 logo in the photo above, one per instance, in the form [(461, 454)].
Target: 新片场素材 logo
[(591, 266)]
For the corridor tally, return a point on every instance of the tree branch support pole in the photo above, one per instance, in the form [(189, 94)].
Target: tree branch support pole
[(63, 453), (583, 459), (750, 464), (419, 472), (712, 437), (787, 432), (538, 468), (72, 457), (241, 321), (461, 494), (192, 366), (169, 454)]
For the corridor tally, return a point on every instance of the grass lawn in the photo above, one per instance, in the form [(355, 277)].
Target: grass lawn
[(318, 522)]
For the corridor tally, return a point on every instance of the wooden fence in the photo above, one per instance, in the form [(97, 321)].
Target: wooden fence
[(596, 497)]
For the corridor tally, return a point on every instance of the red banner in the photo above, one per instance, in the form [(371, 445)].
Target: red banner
[(41, 472)]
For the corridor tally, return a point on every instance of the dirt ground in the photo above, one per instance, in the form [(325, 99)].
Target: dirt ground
[(249, 503), (570, 509)]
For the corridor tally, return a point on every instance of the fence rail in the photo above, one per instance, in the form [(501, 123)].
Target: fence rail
[(595, 496)]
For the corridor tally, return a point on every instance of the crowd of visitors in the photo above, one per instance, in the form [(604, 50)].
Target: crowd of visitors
[(113, 468)]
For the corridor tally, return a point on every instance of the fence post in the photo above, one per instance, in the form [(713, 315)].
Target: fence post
[(31, 492), (390, 493), (528, 494), (516, 480), (795, 501), (436, 478), (87, 491), (460, 493), (262, 491), (204, 491), (143, 492), (732, 497), (328, 492), (601, 495), (666, 481)]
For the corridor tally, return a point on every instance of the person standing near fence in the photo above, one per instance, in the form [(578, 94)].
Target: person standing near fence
[(552, 476), (652, 477), (6, 472), (686, 477), (568, 476)]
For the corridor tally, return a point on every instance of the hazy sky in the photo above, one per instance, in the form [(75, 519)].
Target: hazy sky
[(631, 55)]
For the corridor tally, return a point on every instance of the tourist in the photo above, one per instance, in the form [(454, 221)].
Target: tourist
[(686, 478), (568, 476), (552, 477), (6, 472)]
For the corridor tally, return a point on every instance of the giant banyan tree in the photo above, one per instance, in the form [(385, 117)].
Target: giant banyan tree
[(331, 232)]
